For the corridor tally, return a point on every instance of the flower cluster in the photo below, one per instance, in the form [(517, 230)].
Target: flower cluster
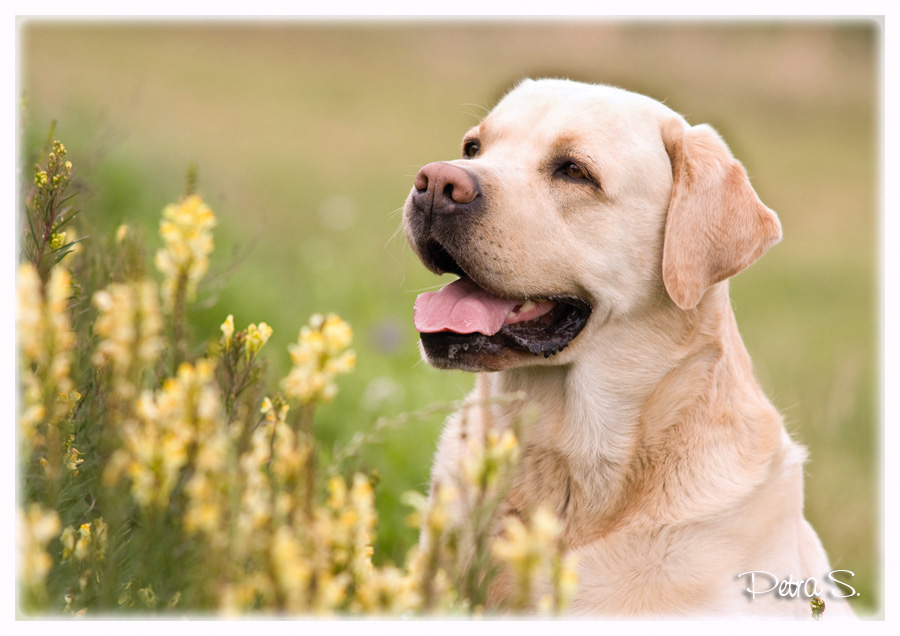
[(468, 547), (155, 446), (438, 548), (129, 325), (491, 459), (46, 243), (257, 337), (133, 595), (253, 338), (57, 172), (72, 459), (186, 230), (297, 554), (52, 179), (529, 551), (207, 489), (37, 528), (84, 551), (319, 355), (87, 543), (298, 559), (270, 469), (238, 368), (46, 342)]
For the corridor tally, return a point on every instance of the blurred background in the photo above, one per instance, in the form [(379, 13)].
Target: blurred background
[(306, 136)]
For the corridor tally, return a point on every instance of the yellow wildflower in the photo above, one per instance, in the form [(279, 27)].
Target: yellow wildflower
[(564, 579), (289, 452), (337, 335), (490, 461), (292, 567), (37, 527), (337, 492), (388, 590), (72, 459), (67, 538), (155, 447), (83, 542), (438, 513), (244, 594), (271, 469), (148, 597), (531, 551), (186, 230), (47, 343), (343, 363), (331, 591), (129, 326), (256, 503), (30, 312), (318, 356), (521, 544)]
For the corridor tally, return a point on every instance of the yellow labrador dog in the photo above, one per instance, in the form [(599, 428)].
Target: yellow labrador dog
[(593, 232)]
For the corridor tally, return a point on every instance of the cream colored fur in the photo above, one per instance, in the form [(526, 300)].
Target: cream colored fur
[(669, 469)]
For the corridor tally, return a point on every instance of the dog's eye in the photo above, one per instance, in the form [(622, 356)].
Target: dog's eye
[(574, 171), (471, 148)]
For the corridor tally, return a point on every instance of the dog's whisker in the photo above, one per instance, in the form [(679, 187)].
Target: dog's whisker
[(422, 290)]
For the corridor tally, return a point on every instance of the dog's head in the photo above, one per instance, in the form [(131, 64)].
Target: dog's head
[(572, 205)]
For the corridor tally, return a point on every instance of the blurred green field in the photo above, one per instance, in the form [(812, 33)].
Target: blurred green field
[(306, 136)]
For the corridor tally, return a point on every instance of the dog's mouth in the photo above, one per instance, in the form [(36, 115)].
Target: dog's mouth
[(466, 321)]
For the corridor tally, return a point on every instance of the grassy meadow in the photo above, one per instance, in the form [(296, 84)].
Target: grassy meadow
[(306, 136)]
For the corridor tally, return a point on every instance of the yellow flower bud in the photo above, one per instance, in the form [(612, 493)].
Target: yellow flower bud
[(57, 240), (257, 337), (228, 330)]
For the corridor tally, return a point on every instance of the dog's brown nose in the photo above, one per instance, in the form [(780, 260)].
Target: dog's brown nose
[(444, 188)]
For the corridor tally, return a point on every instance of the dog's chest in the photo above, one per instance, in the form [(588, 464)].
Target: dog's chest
[(621, 572), (624, 568), (582, 497)]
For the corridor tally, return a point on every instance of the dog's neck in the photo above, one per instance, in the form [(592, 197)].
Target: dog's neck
[(655, 384)]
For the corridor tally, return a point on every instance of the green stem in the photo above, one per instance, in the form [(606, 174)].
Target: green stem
[(305, 430), (179, 346)]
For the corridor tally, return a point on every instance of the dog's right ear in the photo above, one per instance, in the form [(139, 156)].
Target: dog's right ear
[(716, 225)]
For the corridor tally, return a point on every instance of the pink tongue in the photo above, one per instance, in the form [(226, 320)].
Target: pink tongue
[(461, 307)]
